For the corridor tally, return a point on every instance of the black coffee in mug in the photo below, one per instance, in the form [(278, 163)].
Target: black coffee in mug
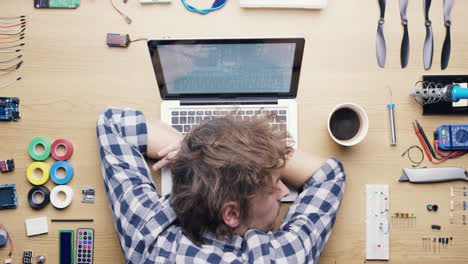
[(344, 124)]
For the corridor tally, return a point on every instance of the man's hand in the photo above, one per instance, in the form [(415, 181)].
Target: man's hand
[(163, 143), (166, 155)]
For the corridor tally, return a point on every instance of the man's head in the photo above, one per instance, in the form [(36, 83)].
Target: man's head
[(226, 177)]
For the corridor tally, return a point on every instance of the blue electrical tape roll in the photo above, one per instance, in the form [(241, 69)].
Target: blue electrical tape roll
[(66, 166)]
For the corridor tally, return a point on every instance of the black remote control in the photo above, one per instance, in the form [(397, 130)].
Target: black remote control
[(84, 246)]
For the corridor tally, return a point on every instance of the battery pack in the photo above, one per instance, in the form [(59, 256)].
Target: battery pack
[(118, 40)]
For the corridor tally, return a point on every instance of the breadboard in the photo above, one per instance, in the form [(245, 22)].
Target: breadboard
[(56, 3), (307, 4), (377, 222)]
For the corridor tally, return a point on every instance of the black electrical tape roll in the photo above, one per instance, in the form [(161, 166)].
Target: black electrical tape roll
[(39, 204)]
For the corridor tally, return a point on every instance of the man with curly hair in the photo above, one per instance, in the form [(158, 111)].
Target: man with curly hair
[(228, 179)]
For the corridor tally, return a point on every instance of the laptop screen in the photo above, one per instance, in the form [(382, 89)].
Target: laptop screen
[(227, 67)]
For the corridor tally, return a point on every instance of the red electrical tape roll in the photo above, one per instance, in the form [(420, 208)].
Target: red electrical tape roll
[(68, 149)]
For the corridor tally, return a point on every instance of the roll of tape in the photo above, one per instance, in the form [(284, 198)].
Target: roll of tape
[(33, 148), (44, 167), (61, 143), (68, 172), (56, 201), (38, 204)]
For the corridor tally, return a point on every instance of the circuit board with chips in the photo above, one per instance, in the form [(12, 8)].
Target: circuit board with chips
[(9, 109), (56, 3)]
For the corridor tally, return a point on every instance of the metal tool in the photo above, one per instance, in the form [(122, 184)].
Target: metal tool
[(429, 41), (405, 46), (391, 116), (433, 175), (429, 93), (447, 44), (381, 49)]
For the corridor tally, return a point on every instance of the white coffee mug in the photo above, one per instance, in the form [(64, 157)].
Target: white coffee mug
[(349, 124)]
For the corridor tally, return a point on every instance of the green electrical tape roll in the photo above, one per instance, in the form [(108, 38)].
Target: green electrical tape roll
[(33, 148)]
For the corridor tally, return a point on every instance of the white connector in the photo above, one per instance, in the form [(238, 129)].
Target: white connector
[(8, 260)]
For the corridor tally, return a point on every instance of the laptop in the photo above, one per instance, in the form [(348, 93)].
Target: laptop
[(206, 78)]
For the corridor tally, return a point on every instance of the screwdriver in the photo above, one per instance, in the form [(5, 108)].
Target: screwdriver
[(391, 116)]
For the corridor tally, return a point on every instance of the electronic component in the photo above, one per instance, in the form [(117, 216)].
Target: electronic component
[(3, 238), (56, 3), (27, 257), (66, 253), (118, 40), (9, 108), (84, 245), (8, 198), (453, 137), (7, 165), (37, 226), (377, 222), (40, 259), (88, 194), (437, 227), (432, 207)]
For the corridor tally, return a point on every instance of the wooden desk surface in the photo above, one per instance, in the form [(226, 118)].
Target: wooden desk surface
[(70, 75)]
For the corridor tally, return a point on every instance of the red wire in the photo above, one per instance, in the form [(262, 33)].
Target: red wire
[(11, 26), (10, 41), (139, 39)]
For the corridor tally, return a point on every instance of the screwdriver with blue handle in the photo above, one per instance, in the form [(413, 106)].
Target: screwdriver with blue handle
[(391, 116)]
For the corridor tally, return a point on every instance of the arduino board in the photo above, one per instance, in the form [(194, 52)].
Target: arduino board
[(9, 109)]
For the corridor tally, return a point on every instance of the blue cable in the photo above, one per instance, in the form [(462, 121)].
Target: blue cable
[(216, 5)]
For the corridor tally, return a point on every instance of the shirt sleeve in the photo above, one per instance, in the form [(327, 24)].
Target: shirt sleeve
[(135, 204), (308, 222)]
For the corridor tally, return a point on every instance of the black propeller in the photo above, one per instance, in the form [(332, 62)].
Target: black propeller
[(429, 41), (405, 46), (381, 50), (447, 43)]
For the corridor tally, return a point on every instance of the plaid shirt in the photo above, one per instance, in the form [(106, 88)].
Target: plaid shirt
[(147, 224)]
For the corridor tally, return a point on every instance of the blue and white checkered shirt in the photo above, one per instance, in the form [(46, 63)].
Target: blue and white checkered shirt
[(147, 224)]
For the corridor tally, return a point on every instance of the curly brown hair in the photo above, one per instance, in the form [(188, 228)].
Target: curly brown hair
[(222, 160)]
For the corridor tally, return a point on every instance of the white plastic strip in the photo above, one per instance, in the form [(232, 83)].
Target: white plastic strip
[(377, 222)]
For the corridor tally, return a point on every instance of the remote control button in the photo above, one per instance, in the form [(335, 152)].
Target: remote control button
[(85, 233), (89, 255), (85, 242), (90, 242), (81, 237), (89, 260), (79, 250), (80, 246), (89, 250), (80, 242), (81, 233), (79, 259), (79, 255)]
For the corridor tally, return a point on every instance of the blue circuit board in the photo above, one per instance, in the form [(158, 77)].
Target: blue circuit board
[(9, 109), (8, 198)]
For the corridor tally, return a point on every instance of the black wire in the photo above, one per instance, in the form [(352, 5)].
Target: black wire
[(416, 163)]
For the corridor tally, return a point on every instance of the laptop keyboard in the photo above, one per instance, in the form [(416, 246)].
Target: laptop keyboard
[(184, 119)]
